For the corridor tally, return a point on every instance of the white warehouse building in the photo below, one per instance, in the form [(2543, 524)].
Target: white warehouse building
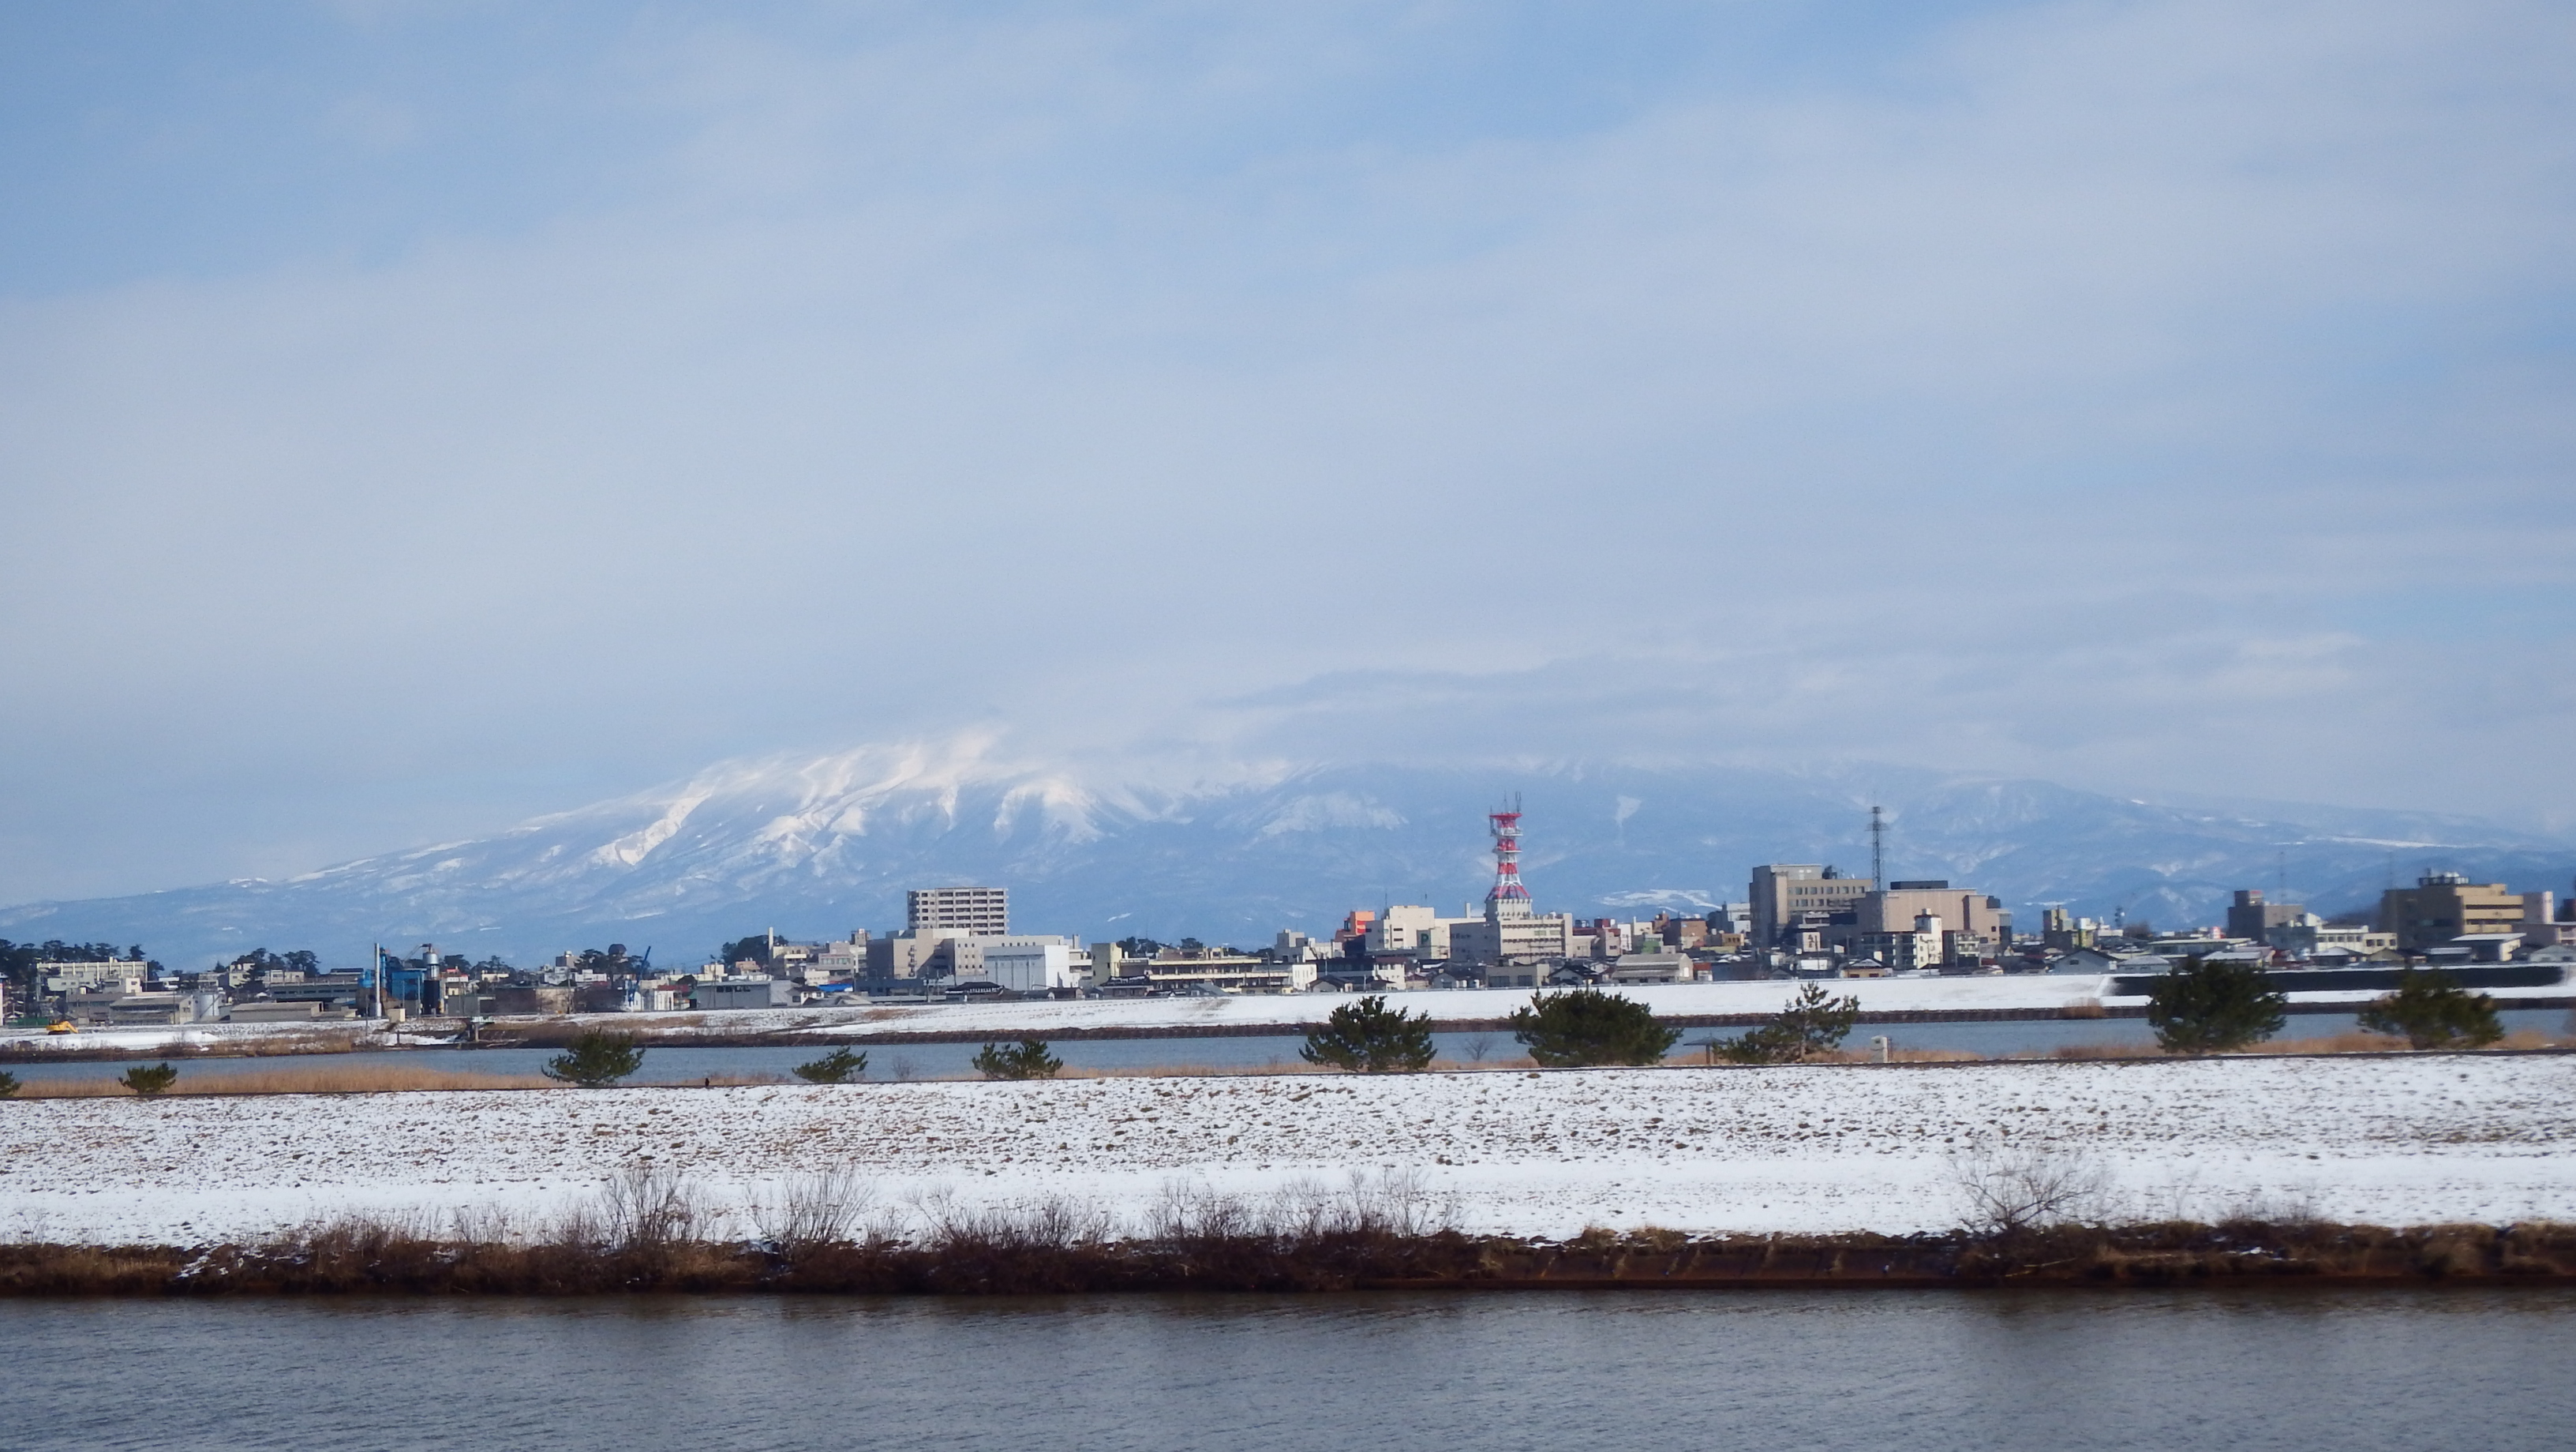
[(1030, 965)]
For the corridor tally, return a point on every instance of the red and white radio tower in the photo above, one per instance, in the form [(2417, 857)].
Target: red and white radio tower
[(1507, 858)]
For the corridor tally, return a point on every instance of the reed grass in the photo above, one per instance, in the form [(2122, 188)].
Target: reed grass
[(1205, 1242)]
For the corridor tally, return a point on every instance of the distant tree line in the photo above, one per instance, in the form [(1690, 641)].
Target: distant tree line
[(18, 960), (262, 961)]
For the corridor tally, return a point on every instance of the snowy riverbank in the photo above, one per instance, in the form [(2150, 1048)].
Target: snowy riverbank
[(2391, 1140)]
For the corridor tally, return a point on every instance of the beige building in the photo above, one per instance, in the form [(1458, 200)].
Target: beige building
[(2444, 905), (1510, 943)]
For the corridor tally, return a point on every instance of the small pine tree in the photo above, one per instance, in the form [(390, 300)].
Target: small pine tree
[(149, 1079), (2213, 1008), (1367, 1037), (2432, 1011), (8, 1085), (596, 1060), (1027, 1059), (1811, 1024), (837, 1067), (1585, 1026)]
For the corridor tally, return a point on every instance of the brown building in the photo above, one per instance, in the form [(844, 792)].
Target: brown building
[(1960, 910), (2253, 919), (1783, 892)]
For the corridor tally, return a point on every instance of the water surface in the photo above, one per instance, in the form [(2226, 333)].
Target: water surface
[(2353, 1371)]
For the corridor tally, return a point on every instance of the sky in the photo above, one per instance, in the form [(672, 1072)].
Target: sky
[(417, 416)]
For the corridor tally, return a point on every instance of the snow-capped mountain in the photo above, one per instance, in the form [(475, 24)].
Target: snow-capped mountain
[(816, 847)]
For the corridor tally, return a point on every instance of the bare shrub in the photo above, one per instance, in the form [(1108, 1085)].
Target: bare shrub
[(2007, 1190), (485, 1225), (807, 1212), (1185, 1212), (1050, 1223), (648, 1208)]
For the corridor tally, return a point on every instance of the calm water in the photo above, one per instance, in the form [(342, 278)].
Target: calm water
[(948, 1061), (2349, 1371)]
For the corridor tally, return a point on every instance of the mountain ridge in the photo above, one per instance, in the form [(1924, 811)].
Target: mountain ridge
[(821, 845)]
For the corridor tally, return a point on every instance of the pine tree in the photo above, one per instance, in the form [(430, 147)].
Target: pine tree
[(1367, 1037), (2213, 1008), (596, 1060), (2431, 1011), (148, 1080), (1027, 1059), (8, 1085), (1812, 1024), (837, 1067), (1585, 1026)]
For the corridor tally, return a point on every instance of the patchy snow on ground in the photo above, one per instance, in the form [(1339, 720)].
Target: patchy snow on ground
[(2392, 1140)]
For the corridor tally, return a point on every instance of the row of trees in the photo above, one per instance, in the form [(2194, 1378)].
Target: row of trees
[(2201, 1007)]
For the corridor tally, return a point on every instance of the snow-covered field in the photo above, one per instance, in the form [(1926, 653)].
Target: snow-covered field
[(2037, 993), (2409, 1139)]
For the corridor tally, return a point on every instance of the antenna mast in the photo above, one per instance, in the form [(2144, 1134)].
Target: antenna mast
[(1877, 850)]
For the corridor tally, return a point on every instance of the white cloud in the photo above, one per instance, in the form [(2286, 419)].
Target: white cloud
[(2083, 390)]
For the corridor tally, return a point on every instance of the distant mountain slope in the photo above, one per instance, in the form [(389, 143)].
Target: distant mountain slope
[(817, 847)]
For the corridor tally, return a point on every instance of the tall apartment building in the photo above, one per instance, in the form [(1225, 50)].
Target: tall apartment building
[(1782, 892), (983, 911)]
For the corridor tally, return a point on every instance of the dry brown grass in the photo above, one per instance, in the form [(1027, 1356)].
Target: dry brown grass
[(2354, 1042), (1900, 1055), (299, 1079), (2084, 1008), (2106, 1051)]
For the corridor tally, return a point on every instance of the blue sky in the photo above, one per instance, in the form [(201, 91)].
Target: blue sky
[(415, 416)]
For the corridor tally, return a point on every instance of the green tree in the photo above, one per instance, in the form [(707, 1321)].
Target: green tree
[(2432, 1011), (1585, 1026), (837, 1067), (149, 1079), (596, 1060), (1812, 1024), (755, 948), (2203, 1007), (8, 1085), (1027, 1059), (1367, 1037)]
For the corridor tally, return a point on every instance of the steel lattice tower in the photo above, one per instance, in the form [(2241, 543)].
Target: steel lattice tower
[(1507, 857)]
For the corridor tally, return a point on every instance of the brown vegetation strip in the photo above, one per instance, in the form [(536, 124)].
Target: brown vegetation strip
[(1021, 1258)]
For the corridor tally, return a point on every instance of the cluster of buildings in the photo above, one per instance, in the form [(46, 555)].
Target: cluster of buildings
[(1797, 920)]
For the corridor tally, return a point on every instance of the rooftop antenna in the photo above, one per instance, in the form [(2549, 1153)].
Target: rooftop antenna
[(1877, 849)]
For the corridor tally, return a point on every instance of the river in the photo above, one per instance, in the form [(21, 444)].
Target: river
[(681, 1065), (2228, 1371)]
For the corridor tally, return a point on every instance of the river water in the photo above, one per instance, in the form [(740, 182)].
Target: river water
[(2351, 1371), (675, 1065)]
